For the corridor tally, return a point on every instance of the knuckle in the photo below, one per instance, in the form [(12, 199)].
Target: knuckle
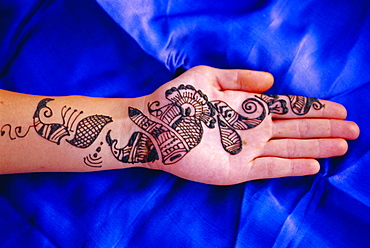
[(201, 68), (269, 165), (291, 149), (303, 128)]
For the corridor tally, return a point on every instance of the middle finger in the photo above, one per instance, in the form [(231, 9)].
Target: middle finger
[(314, 128)]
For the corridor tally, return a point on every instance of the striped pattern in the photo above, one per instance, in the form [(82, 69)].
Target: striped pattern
[(172, 147), (53, 132)]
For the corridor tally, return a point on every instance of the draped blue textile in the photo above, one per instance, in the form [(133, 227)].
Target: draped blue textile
[(129, 48)]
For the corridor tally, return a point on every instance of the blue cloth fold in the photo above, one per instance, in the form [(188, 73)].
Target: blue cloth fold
[(128, 49)]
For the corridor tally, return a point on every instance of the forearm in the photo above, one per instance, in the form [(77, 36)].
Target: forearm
[(61, 133)]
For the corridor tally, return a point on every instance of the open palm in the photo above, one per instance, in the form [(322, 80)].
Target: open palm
[(207, 126)]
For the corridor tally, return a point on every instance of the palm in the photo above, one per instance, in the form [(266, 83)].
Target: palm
[(215, 134)]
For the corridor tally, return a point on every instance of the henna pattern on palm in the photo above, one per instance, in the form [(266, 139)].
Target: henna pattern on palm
[(300, 105), (229, 121), (179, 127), (274, 104)]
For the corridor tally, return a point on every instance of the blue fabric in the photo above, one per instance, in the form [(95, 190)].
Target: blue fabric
[(129, 48)]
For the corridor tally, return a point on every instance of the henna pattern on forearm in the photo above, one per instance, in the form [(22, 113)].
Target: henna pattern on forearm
[(53, 132), (87, 129), (139, 149), (17, 131), (94, 160)]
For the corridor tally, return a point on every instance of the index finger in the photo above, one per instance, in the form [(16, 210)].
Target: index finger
[(291, 106)]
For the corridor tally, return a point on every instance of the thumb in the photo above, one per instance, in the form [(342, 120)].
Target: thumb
[(244, 80)]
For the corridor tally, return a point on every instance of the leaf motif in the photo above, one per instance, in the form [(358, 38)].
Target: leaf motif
[(88, 129), (230, 139)]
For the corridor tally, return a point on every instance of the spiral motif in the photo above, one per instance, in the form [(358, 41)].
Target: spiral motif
[(317, 105), (250, 106), (46, 112)]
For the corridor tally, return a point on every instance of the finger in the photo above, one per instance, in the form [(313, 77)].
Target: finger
[(241, 80), (290, 106), (245, 80), (272, 167), (315, 128), (309, 148)]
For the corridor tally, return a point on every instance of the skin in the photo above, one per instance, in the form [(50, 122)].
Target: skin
[(282, 145)]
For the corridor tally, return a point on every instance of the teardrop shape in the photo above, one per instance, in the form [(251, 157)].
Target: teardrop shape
[(88, 129)]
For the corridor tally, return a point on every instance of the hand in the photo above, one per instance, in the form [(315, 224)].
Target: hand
[(225, 135), (204, 126)]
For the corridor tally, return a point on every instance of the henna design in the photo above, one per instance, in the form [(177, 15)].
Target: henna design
[(182, 116), (185, 102), (300, 105), (229, 121), (180, 128), (53, 132), (94, 160), (230, 139), (88, 129), (237, 121), (172, 146), (192, 103), (139, 149), (275, 105), (17, 131)]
